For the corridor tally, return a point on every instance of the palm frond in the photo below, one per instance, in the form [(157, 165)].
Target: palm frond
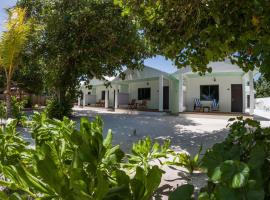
[(13, 39)]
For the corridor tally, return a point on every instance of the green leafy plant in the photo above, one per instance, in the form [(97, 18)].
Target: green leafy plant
[(144, 152), (187, 161), (239, 167), (12, 146), (16, 108), (58, 110), (2, 111), (71, 164)]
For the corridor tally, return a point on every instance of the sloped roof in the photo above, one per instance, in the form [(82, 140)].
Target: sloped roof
[(93, 82), (146, 73), (217, 67)]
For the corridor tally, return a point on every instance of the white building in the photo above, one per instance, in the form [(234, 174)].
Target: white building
[(232, 88)]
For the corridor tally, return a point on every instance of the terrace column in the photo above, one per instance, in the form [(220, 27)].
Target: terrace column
[(251, 93), (244, 93), (160, 108), (116, 97), (106, 98), (84, 98), (79, 101), (181, 91)]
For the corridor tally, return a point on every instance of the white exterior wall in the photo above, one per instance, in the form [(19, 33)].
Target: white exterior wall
[(193, 90), (153, 103)]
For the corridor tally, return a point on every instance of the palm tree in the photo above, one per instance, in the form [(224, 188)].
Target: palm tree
[(12, 42)]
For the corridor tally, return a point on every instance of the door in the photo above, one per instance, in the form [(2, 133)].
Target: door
[(237, 98), (166, 97)]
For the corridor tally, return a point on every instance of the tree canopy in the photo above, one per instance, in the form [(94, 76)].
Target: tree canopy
[(262, 86), (77, 40), (193, 32)]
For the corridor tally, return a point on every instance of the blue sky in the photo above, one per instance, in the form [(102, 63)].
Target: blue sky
[(159, 62)]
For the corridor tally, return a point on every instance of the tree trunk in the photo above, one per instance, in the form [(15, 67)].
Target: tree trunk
[(8, 99)]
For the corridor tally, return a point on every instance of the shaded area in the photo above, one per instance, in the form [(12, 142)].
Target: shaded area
[(185, 133)]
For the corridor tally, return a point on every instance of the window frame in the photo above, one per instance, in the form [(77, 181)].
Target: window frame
[(209, 92), (143, 94)]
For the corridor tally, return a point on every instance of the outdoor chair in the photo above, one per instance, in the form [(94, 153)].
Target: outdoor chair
[(143, 105), (132, 104), (197, 105), (100, 103), (214, 105)]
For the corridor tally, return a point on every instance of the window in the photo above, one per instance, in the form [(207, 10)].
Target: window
[(209, 92), (103, 95), (144, 93)]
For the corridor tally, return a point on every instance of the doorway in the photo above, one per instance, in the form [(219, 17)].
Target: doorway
[(166, 98), (236, 98)]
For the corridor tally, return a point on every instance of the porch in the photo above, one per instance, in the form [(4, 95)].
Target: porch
[(148, 94), (232, 91)]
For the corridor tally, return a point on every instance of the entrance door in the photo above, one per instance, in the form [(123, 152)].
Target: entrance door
[(166, 97), (237, 98)]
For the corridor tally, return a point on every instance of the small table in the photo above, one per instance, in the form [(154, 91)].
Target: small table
[(206, 107)]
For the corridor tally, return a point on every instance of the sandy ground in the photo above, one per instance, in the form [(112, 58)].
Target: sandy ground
[(186, 132)]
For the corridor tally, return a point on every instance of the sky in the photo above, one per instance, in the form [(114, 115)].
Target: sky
[(158, 62)]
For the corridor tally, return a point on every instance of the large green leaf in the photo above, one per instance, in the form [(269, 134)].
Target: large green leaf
[(184, 192)]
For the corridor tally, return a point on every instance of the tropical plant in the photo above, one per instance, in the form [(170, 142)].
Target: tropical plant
[(2, 110), (12, 146), (239, 167), (144, 152), (16, 108), (58, 110), (184, 159), (11, 44), (71, 164)]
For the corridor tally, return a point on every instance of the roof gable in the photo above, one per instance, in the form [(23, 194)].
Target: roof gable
[(145, 73)]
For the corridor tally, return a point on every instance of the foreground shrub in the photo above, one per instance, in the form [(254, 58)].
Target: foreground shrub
[(71, 164), (238, 168), (58, 110), (17, 106)]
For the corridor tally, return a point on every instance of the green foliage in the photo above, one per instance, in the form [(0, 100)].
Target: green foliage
[(16, 108), (74, 41), (184, 192), (2, 110), (239, 167), (71, 164), (187, 161), (57, 109), (12, 42), (12, 146), (144, 152), (193, 33), (262, 86)]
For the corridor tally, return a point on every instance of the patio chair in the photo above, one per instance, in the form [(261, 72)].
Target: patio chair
[(99, 103), (214, 105), (143, 105), (132, 104), (197, 105)]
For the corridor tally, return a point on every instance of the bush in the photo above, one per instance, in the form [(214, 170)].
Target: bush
[(71, 164), (3, 111), (16, 108), (239, 167), (58, 110)]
